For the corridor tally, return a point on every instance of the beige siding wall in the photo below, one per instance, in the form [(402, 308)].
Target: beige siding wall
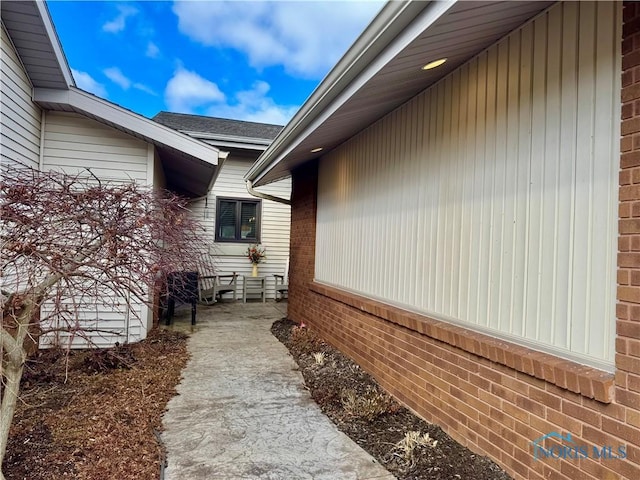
[(103, 326), (74, 143), (276, 217), (159, 180), (490, 199), (19, 116)]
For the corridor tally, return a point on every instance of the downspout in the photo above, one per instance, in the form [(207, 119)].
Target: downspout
[(43, 120), (266, 196)]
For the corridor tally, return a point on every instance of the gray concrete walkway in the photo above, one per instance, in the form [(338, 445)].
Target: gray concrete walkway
[(242, 411)]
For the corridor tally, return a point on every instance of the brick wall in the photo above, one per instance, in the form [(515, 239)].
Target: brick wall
[(628, 309), (627, 392), (492, 396), (303, 238)]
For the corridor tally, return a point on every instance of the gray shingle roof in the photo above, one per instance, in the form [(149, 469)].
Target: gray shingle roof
[(224, 126)]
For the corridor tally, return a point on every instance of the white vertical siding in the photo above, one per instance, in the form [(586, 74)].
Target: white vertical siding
[(19, 117), (275, 223), (490, 199), (74, 143)]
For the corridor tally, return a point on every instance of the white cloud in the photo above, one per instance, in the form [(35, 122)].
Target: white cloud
[(119, 22), (255, 106), (87, 82), (143, 88), (307, 38), (152, 50), (116, 76), (187, 90)]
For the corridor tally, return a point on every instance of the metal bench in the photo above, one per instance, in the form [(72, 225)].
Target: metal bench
[(182, 287)]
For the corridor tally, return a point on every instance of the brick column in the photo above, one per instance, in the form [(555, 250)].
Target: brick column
[(303, 239)]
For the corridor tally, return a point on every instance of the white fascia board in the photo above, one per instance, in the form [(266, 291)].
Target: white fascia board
[(128, 120), (235, 141), (331, 93), (222, 157), (243, 146), (43, 11)]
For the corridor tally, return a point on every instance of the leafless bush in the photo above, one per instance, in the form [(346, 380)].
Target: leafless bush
[(306, 341), (369, 405), (410, 444), (117, 358), (71, 243)]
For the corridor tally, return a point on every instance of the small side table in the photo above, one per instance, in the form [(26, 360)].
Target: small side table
[(254, 285)]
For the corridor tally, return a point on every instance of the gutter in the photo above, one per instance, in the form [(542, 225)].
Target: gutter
[(219, 137), (266, 196)]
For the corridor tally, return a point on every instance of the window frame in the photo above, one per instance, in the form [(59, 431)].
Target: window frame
[(238, 209)]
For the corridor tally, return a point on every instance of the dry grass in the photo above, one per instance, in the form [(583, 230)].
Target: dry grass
[(102, 422), (319, 358), (411, 441), (369, 405)]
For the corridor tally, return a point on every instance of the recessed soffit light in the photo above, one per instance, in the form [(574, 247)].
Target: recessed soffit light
[(434, 64), (315, 150)]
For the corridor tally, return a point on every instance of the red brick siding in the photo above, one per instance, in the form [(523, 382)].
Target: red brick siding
[(303, 239), (486, 396)]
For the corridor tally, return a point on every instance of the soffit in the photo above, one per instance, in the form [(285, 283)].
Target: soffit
[(463, 31), (36, 42)]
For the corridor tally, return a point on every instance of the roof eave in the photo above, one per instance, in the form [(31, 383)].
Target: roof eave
[(390, 53), (179, 150), (389, 32), (61, 58), (30, 29), (151, 131), (230, 141)]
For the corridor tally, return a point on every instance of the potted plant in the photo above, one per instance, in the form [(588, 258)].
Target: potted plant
[(255, 254)]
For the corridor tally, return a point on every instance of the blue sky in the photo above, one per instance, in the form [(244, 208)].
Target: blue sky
[(255, 61)]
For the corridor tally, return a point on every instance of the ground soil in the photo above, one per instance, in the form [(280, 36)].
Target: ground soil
[(95, 414), (361, 409)]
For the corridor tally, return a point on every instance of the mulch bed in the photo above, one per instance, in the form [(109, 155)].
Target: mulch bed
[(95, 414), (360, 408)]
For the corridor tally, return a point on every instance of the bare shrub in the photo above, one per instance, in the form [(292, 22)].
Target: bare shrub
[(70, 243), (411, 443), (99, 361), (305, 341), (369, 405)]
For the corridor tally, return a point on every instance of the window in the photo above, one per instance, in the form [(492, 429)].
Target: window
[(237, 220)]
